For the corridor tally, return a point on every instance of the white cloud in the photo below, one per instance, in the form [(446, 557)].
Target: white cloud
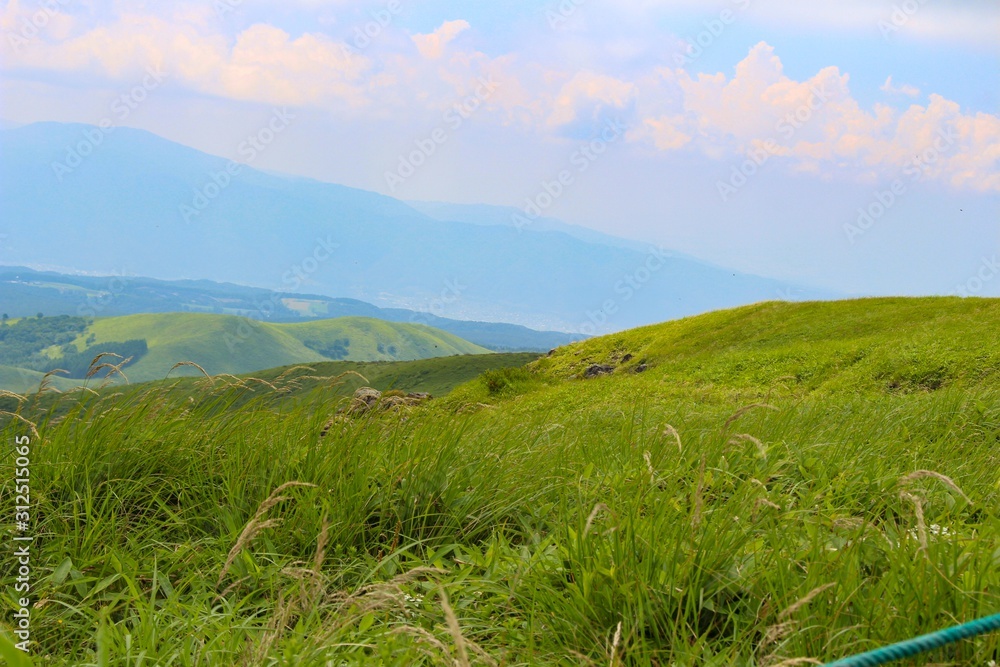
[(817, 125), (966, 22), (432, 45), (814, 124), (588, 91), (902, 89)]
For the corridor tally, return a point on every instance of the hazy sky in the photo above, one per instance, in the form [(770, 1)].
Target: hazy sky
[(752, 133)]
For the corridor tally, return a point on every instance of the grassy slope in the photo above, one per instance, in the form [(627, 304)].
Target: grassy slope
[(413, 341), (329, 381), (437, 376), (227, 344), (867, 344), (22, 381), (556, 512)]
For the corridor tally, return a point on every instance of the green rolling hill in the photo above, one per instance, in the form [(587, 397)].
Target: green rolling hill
[(229, 344), (883, 346)]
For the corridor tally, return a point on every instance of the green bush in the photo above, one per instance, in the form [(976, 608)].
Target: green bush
[(505, 381)]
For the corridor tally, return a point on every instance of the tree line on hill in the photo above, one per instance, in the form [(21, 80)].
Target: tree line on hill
[(28, 342)]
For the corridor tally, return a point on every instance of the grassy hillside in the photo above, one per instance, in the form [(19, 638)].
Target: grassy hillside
[(22, 381), (436, 376), (784, 484), (228, 344), (894, 345)]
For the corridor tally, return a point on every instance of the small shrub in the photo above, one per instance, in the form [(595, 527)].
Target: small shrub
[(503, 381)]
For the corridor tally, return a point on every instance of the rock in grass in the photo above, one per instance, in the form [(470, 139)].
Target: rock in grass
[(596, 370), (368, 395), (367, 399), (364, 400)]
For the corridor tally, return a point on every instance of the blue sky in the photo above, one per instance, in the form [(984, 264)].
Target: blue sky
[(875, 84)]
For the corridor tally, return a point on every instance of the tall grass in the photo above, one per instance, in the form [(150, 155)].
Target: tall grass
[(580, 529)]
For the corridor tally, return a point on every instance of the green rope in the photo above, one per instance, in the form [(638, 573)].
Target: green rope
[(921, 644)]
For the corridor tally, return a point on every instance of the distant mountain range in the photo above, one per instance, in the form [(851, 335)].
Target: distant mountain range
[(25, 292), (76, 197)]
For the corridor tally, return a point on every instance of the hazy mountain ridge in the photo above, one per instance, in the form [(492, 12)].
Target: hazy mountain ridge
[(128, 206), (25, 292)]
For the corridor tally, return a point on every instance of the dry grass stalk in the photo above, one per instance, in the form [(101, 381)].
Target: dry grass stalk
[(319, 557), (9, 394), (265, 383), (276, 628), (336, 378), (849, 523), (918, 509), (95, 367), (795, 662), (82, 388), (292, 370), (29, 424), (256, 525), (677, 436), (614, 644), (46, 383), (776, 633), (947, 481), (598, 508), (230, 588), (348, 608), (649, 466), (764, 502), (455, 630), (181, 364), (746, 437), (232, 380), (806, 599), (422, 636), (742, 411), (101, 356)]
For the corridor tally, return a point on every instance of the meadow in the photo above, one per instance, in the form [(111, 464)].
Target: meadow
[(781, 484)]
